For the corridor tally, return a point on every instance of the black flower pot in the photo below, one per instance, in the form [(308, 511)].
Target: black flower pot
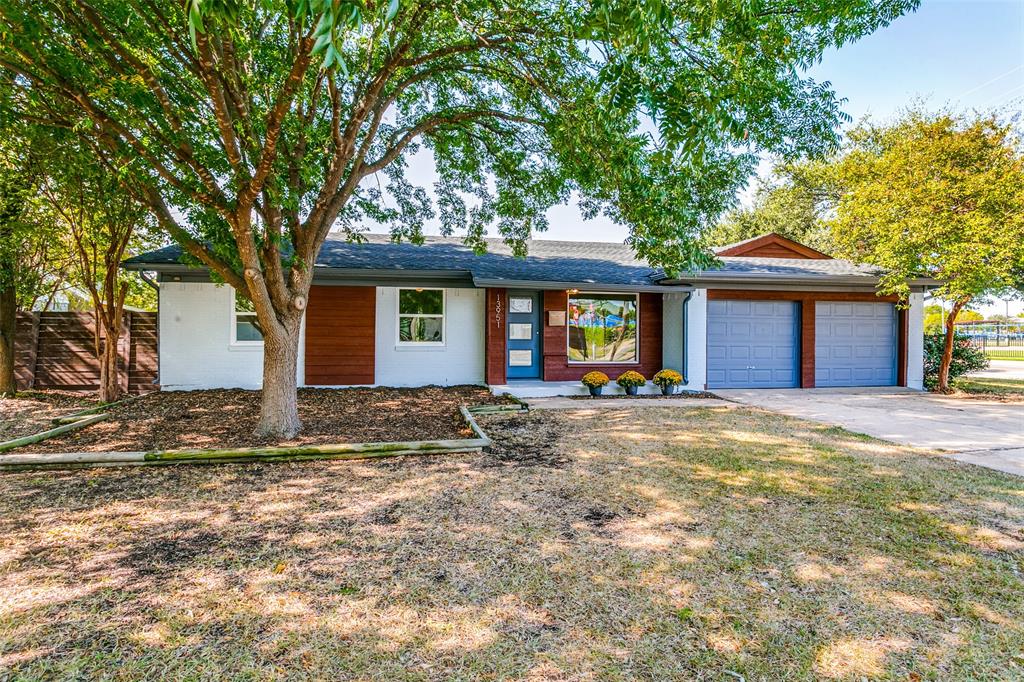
[(668, 389), (631, 390), (595, 390)]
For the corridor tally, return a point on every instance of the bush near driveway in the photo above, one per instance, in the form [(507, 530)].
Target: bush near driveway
[(623, 544), (967, 358)]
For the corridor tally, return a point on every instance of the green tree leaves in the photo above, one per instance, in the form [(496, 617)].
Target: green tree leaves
[(545, 98), (936, 195)]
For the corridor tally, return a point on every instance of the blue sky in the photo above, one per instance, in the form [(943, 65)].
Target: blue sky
[(965, 53)]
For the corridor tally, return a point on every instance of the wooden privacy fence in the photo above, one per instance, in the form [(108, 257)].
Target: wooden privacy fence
[(56, 350)]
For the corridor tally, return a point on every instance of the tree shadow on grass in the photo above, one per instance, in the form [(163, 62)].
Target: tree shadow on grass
[(648, 544)]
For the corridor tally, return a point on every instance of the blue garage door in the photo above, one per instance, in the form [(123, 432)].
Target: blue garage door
[(752, 344), (855, 344)]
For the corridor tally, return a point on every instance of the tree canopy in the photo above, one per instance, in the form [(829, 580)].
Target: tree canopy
[(254, 128), (935, 318), (935, 195), (791, 202)]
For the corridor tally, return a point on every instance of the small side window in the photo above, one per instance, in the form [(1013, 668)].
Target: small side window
[(245, 328)]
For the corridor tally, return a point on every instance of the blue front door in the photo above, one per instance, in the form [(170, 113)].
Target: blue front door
[(523, 333)]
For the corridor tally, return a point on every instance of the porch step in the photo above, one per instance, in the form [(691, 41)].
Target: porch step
[(547, 389)]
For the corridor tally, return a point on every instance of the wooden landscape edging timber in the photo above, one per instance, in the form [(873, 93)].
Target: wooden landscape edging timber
[(77, 423), (67, 419), (78, 460), (69, 422)]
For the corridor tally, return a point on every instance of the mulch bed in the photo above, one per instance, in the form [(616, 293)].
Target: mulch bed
[(32, 411), (225, 418)]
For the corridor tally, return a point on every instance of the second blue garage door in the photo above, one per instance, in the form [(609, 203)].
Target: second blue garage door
[(855, 344), (753, 344)]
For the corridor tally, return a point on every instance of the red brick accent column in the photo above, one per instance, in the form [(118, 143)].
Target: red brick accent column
[(494, 336), (807, 326), (902, 334)]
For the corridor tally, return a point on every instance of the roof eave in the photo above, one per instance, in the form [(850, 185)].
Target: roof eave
[(800, 280), (492, 283)]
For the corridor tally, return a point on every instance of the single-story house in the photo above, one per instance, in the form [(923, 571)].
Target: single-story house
[(776, 314)]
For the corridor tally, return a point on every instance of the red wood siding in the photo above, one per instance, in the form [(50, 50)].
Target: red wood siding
[(774, 251), (556, 361), (758, 295), (807, 300), (902, 332), (807, 327), (340, 343), (774, 245), (494, 334)]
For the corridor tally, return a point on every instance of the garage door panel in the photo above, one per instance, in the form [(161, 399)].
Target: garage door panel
[(717, 327), (867, 353), (752, 344), (717, 352), (738, 308), (855, 344), (840, 328), (784, 376)]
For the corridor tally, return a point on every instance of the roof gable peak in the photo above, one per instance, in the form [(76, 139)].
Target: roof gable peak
[(771, 245)]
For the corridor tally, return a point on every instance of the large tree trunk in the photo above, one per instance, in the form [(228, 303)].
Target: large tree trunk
[(279, 412), (8, 324), (947, 348), (110, 379)]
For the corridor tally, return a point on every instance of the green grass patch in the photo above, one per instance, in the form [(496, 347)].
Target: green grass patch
[(1005, 355), (1006, 388)]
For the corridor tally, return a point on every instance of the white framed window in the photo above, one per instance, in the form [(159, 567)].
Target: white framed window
[(603, 328), (245, 330), (421, 317)]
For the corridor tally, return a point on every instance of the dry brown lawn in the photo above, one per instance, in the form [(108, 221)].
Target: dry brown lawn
[(654, 543), (32, 411)]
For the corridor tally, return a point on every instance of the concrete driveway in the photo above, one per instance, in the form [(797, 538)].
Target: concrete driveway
[(984, 432), (1002, 369)]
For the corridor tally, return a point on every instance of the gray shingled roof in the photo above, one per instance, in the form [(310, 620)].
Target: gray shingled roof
[(548, 261), (790, 267)]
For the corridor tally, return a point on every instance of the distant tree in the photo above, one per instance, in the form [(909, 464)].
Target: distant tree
[(255, 124), (937, 195), (790, 203), (33, 257), (969, 316), (106, 223), (935, 318)]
